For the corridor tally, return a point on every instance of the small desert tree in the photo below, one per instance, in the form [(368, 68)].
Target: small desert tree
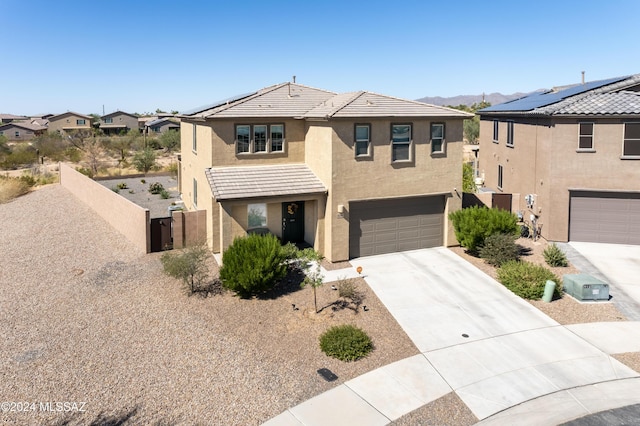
[(188, 265), (170, 140), (309, 262), (144, 160)]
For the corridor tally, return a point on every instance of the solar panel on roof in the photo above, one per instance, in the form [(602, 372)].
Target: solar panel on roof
[(541, 99), (219, 103)]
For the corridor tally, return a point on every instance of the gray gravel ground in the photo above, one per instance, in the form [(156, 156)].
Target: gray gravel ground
[(87, 319)]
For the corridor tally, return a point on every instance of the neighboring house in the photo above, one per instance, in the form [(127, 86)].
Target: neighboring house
[(118, 123), (351, 174), (21, 130), (161, 125), (572, 154), (69, 122), (8, 118)]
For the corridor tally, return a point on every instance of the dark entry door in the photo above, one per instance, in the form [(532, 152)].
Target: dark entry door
[(293, 222)]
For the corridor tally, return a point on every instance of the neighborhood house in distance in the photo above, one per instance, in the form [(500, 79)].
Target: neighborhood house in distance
[(351, 174), (20, 128), (571, 158)]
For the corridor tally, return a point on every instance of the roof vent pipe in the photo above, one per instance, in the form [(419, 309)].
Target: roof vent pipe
[(582, 77), (294, 79)]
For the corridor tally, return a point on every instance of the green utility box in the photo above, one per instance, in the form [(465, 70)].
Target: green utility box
[(585, 287)]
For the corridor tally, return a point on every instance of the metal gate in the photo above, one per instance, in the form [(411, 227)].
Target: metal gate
[(160, 234)]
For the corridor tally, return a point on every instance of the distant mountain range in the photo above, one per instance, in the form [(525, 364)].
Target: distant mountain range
[(493, 99)]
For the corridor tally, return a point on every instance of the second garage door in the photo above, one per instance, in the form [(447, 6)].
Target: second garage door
[(601, 217), (387, 226)]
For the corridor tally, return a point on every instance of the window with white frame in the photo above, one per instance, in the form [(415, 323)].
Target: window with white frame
[(80, 122), (631, 143), (509, 133), (259, 138), (194, 141), (17, 133), (585, 137), (195, 193), (362, 141), (400, 142), (496, 127), (256, 216), (500, 176), (437, 138)]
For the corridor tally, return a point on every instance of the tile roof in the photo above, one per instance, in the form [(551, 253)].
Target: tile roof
[(233, 183), (617, 103), (59, 116), (161, 120), (368, 104), (298, 101), (115, 113), (25, 125), (11, 117)]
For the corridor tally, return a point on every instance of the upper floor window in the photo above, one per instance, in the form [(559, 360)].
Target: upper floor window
[(17, 134), (362, 141), (108, 120), (195, 193), (194, 141), (495, 130), (437, 138), (259, 138), (400, 142), (500, 170), (585, 136), (80, 122), (509, 133), (631, 143)]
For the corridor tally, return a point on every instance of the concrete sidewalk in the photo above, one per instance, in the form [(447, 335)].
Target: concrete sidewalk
[(476, 338)]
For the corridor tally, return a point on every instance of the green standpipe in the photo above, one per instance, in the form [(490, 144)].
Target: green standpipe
[(549, 288)]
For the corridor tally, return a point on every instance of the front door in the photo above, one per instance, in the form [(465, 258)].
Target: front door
[(293, 222)]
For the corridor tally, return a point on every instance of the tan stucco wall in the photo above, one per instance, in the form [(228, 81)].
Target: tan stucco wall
[(69, 121), (359, 179), (131, 220), (545, 161)]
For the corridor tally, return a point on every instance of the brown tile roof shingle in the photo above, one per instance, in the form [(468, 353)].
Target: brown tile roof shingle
[(232, 183)]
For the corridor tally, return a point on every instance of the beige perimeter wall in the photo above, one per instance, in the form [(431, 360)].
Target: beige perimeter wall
[(128, 218)]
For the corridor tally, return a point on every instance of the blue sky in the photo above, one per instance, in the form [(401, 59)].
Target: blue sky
[(137, 56)]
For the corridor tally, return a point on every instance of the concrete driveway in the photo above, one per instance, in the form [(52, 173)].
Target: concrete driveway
[(619, 263), (505, 359)]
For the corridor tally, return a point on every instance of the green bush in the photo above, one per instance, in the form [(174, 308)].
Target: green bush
[(164, 194), (346, 343), (554, 256), (499, 248), (527, 280), (253, 264), (85, 171), (156, 188), (473, 224), (122, 185), (28, 179)]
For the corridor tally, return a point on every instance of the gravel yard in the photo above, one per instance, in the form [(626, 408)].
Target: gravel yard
[(87, 318)]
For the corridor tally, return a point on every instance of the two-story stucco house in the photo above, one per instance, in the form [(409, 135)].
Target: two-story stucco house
[(352, 174), (573, 155), (69, 122), (118, 122), (21, 130)]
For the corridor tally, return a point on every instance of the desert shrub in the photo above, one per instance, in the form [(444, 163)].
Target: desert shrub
[(144, 160), (122, 185), (473, 224), (28, 179), (11, 188), (156, 188), (346, 343), (499, 248), (164, 194), (85, 171), (253, 264), (348, 289), (554, 256), (115, 189), (188, 265), (526, 279)]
